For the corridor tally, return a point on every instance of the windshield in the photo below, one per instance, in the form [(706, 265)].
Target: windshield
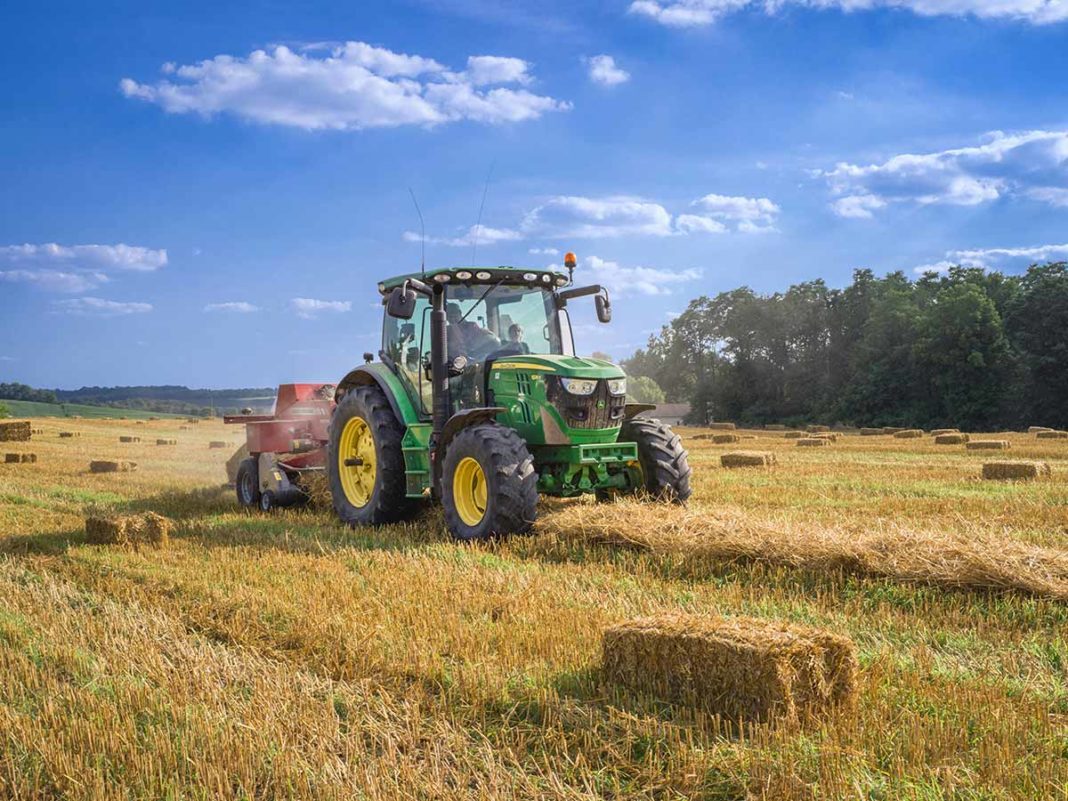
[(497, 320)]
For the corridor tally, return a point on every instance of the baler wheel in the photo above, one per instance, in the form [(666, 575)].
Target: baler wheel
[(247, 484)]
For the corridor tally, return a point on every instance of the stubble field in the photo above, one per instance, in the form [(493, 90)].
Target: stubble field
[(284, 656)]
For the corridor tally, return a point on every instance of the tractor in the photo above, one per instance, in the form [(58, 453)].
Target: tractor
[(478, 400)]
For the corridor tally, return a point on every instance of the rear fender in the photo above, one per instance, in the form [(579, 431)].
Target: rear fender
[(381, 376), (461, 420)]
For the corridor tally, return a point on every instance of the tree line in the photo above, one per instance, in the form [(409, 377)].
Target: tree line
[(968, 348)]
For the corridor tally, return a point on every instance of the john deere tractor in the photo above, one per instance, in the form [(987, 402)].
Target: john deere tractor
[(479, 401)]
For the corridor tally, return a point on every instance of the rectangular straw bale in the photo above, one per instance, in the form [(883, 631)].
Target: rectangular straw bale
[(725, 439), (988, 445), (813, 442), (106, 466), (891, 429), (871, 432), (793, 435), (129, 439), (832, 436), (164, 441), (216, 443), (774, 427), (1036, 429), (1015, 470), (12, 458), (722, 426), (815, 429), (909, 433), (740, 668), (15, 431), (69, 434), (937, 432), (747, 459), (1052, 435), (951, 439), (29, 458), (144, 529)]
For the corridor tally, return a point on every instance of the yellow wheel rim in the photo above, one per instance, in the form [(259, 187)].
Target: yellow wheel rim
[(469, 491), (356, 461)]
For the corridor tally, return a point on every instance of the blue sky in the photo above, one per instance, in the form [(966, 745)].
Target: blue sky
[(207, 193)]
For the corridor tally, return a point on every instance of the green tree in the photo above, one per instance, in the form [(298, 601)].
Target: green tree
[(4, 411), (642, 389)]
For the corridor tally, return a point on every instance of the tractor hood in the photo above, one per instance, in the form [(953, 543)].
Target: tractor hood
[(568, 366)]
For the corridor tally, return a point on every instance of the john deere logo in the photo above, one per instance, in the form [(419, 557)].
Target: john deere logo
[(600, 404)]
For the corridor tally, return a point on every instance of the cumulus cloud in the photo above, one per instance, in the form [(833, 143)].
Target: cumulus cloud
[(994, 258), (750, 215), (1033, 164), (54, 280), (239, 306), (603, 70), (482, 234), (309, 308), (98, 307), (622, 280), (569, 216), (90, 257), (695, 13), (353, 86)]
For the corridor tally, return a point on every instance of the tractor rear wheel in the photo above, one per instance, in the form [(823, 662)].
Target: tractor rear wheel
[(247, 484), (489, 485), (364, 462), (665, 469)]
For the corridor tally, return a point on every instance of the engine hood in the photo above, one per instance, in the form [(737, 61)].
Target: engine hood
[(570, 366)]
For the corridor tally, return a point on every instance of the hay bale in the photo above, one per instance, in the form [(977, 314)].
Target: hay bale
[(774, 427), (891, 429), (832, 436), (129, 439), (217, 443), (15, 431), (951, 439), (106, 466), (871, 432), (813, 442), (165, 441), (793, 435), (722, 426), (815, 429), (909, 433), (1052, 435), (988, 445), (726, 439), (12, 458), (997, 471), (69, 434), (740, 668), (194, 420), (747, 459), (29, 458), (129, 530), (937, 432), (1036, 429)]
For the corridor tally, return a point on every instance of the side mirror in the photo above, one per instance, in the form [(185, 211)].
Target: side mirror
[(604, 308), (401, 303)]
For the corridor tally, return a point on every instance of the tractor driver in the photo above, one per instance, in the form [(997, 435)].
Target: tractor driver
[(466, 338), (515, 340)]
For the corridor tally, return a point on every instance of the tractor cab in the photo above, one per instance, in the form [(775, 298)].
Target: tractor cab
[(479, 400)]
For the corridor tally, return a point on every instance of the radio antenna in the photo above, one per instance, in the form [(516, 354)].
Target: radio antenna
[(422, 235), (481, 206)]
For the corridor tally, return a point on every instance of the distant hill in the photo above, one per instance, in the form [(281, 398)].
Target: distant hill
[(172, 399), (24, 409)]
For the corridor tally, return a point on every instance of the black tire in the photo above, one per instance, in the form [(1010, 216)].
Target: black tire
[(247, 484), (267, 501), (387, 502), (665, 467), (511, 483)]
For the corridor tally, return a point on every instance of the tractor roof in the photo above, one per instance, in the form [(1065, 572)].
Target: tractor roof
[(518, 276)]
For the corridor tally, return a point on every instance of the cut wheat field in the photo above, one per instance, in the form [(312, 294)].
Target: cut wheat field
[(283, 656)]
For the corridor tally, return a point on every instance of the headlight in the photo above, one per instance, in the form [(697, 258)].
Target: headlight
[(617, 386), (579, 386)]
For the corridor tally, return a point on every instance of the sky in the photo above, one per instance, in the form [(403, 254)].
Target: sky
[(207, 193)]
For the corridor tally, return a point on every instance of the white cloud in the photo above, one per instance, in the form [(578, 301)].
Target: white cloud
[(622, 280), (698, 224), (90, 257), (568, 216), (1033, 164), (748, 215), (7, 358), (694, 13), (240, 306), (484, 235), (994, 258), (55, 280), (309, 308), (99, 307), (603, 70), (354, 86), (544, 251)]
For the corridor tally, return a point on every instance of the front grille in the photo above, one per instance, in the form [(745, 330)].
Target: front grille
[(599, 410)]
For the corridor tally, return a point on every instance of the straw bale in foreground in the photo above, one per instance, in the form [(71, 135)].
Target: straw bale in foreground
[(988, 445), (813, 442), (747, 459), (144, 529), (107, 466), (996, 471), (741, 668), (15, 431), (722, 426), (909, 433), (1052, 435), (951, 439)]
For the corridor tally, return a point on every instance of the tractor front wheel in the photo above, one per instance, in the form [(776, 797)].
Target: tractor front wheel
[(489, 485), (364, 462), (664, 468)]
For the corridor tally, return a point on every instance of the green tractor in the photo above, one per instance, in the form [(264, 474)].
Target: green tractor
[(479, 401)]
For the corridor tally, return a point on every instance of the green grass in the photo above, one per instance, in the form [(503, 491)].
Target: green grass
[(34, 409)]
